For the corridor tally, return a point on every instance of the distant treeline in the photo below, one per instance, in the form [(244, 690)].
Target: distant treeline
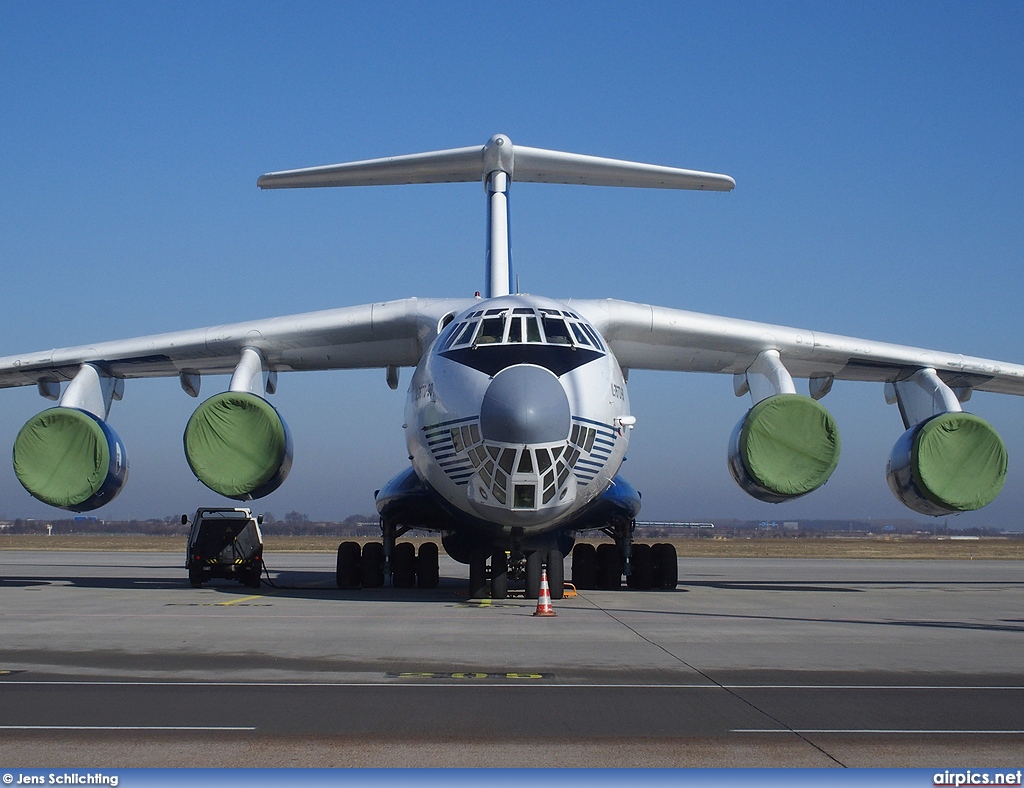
[(360, 525)]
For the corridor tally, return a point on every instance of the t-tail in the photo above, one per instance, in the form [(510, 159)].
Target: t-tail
[(497, 164)]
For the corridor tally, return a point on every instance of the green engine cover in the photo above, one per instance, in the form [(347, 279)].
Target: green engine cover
[(62, 456), (238, 445), (958, 461), (789, 445)]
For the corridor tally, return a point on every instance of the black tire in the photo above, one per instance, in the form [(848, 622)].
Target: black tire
[(427, 572), (195, 576), (499, 575), (584, 567), (373, 565), (253, 575), (556, 574), (534, 563), (403, 565), (642, 578), (477, 574), (666, 567), (349, 573), (609, 567)]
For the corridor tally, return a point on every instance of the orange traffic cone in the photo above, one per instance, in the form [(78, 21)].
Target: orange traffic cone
[(544, 600)]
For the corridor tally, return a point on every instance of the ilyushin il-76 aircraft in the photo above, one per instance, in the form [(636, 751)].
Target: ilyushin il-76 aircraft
[(517, 418)]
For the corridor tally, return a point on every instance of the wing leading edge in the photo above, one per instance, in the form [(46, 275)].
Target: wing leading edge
[(652, 337), (391, 333)]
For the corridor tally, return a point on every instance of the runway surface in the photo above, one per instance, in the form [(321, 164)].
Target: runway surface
[(113, 660)]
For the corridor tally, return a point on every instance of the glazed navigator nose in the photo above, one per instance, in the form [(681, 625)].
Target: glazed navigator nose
[(525, 404)]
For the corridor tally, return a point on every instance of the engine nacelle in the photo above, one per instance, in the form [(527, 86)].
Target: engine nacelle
[(785, 446), (953, 462), (238, 445), (71, 459)]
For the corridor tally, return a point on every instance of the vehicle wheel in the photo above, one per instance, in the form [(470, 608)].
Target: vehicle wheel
[(556, 574), (349, 572), (499, 575), (195, 576), (427, 573), (609, 567), (584, 567), (373, 565), (403, 565), (642, 578), (477, 574), (666, 572), (253, 576), (534, 563)]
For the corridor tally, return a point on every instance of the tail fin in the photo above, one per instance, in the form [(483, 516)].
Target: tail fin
[(497, 163)]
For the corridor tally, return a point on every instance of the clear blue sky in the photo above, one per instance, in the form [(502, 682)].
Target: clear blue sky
[(877, 150)]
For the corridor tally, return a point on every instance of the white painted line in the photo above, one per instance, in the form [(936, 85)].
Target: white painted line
[(126, 728), (874, 730), (515, 682)]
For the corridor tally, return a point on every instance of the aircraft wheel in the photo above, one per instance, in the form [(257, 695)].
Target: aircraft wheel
[(609, 567), (642, 578), (534, 562), (373, 565), (584, 567), (195, 576), (499, 575), (556, 574), (349, 572), (403, 565), (427, 572), (477, 574), (666, 572)]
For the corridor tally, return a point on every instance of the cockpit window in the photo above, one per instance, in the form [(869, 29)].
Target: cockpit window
[(581, 338), (491, 330), (556, 331), (521, 325)]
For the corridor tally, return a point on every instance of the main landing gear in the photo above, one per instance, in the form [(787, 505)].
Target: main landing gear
[(645, 566), (368, 566)]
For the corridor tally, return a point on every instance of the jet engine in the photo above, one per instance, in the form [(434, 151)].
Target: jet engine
[(785, 446), (238, 445), (71, 459), (952, 462)]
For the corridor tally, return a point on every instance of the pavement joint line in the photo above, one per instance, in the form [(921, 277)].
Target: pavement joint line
[(909, 731), (397, 682), (735, 693), (127, 727)]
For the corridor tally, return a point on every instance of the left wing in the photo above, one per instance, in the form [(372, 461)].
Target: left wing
[(652, 337)]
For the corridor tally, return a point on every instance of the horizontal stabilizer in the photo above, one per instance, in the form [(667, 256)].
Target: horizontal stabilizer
[(476, 162)]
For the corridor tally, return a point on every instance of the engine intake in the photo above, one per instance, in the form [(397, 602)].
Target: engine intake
[(953, 462), (71, 459), (785, 446), (238, 445)]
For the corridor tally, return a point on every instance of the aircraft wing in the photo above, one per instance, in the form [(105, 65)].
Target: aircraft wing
[(652, 337), (391, 333)]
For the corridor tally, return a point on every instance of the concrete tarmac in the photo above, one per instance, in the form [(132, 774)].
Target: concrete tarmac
[(113, 660)]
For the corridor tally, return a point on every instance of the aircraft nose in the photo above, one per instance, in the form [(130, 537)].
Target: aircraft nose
[(525, 404)]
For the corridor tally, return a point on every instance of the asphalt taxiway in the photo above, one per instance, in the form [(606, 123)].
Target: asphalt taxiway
[(112, 659)]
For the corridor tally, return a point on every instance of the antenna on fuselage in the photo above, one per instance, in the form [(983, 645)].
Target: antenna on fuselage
[(497, 164)]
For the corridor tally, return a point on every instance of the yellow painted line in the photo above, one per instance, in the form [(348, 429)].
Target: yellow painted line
[(240, 599)]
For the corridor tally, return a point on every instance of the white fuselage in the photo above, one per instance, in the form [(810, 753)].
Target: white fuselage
[(515, 412)]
